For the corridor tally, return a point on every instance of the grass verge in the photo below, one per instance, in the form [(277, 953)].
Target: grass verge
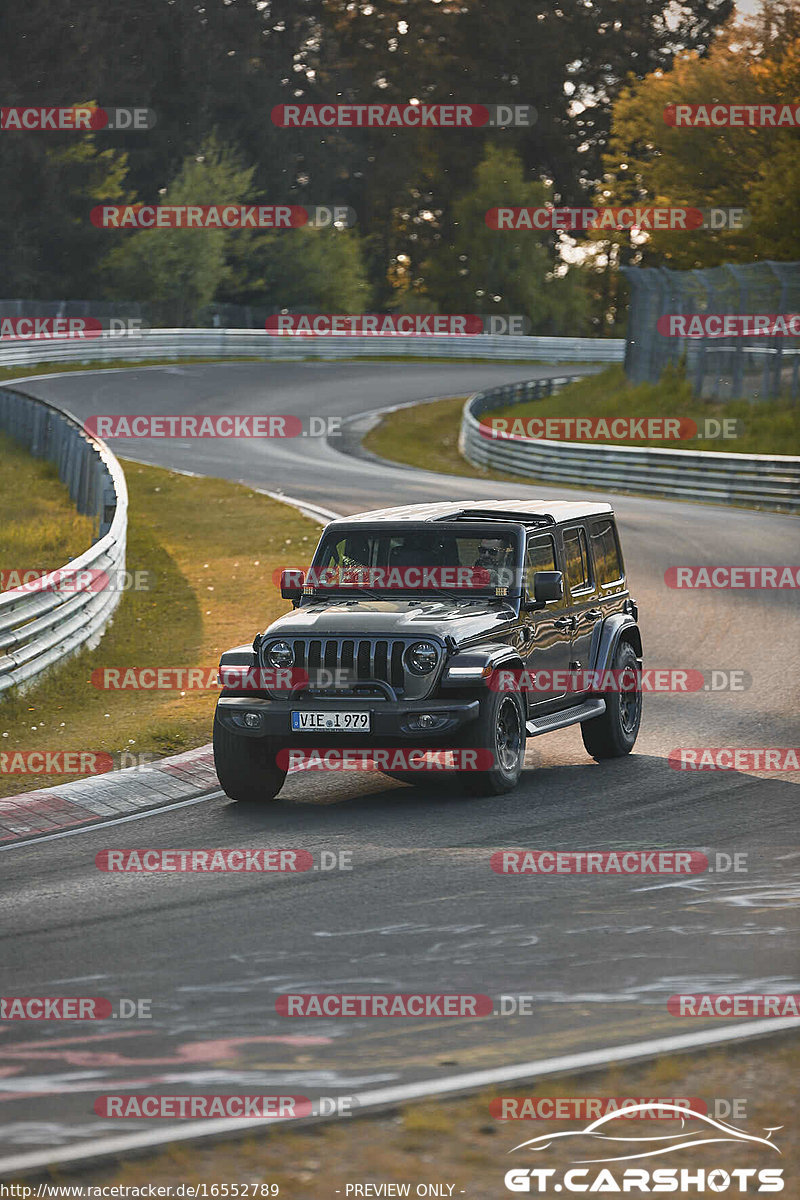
[(459, 1142), (39, 527), (427, 435), (209, 549)]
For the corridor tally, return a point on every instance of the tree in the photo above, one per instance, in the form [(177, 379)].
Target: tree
[(179, 271), (651, 162), (491, 271), (49, 248)]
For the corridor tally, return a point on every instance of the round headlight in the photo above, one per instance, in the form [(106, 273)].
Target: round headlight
[(280, 655), (422, 657)]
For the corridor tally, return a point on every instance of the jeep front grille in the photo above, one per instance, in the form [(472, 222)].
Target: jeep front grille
[(361, 660)]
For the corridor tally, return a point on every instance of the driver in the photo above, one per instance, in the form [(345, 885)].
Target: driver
[(492, 555)]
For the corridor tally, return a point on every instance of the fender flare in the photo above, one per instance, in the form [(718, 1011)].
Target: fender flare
[(620, 627)]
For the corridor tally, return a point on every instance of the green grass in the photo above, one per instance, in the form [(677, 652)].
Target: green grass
[(39, 527), (766, 427), (210, 547), (426, 435)]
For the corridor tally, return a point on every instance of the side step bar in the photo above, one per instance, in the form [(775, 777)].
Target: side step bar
[(567, 716)]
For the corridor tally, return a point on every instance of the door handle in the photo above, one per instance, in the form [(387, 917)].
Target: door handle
[(594, 614), (563, 623)]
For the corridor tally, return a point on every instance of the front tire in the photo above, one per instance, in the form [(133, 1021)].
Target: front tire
[(614, 733), (246, 767), (500, 729)]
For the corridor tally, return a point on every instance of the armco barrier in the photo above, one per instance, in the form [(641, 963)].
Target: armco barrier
[(46, 622), (755, 480), (257, 343)]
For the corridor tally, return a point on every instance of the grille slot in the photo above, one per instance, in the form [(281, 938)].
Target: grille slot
[(361, 659)]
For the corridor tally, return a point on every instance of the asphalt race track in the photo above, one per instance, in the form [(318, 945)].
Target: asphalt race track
[(421, 909)]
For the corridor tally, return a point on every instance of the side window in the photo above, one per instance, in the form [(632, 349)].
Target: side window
[(605, 553), (540, 555), (576, 559)]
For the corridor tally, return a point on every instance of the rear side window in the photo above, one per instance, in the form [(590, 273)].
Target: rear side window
[(605, 553), (576, 559)]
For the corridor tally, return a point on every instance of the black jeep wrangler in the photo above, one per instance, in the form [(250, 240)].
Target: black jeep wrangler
[(458, 626)]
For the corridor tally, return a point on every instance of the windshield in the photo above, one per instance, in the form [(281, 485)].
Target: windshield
[(431, 559)]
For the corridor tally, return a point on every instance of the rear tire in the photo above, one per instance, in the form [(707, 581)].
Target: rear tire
[(246, 766), (614, 733), (500, 729)]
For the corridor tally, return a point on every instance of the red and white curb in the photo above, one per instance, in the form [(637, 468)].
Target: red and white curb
[(108, 798), (126, 795)]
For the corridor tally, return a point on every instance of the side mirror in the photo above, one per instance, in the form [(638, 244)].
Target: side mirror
[(292, 582), (547, 587)]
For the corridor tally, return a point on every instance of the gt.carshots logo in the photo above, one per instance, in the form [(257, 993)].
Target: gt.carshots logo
[(221, 216), (79, 117), (395, 324), (608, 1141), (402, 116)]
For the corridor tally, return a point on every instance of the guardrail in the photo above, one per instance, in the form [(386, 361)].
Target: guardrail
[(46, 621), (755, 480), (257, 343)]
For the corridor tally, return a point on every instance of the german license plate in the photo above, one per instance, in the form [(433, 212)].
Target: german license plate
[(333, 722)]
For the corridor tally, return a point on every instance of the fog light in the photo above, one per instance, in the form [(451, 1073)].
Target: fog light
[(252, 720), (427, 721)]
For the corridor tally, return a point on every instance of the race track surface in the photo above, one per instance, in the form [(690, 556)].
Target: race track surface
[(421, 909)]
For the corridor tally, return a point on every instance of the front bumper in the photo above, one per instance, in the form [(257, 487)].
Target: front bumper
[(389, 719)]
